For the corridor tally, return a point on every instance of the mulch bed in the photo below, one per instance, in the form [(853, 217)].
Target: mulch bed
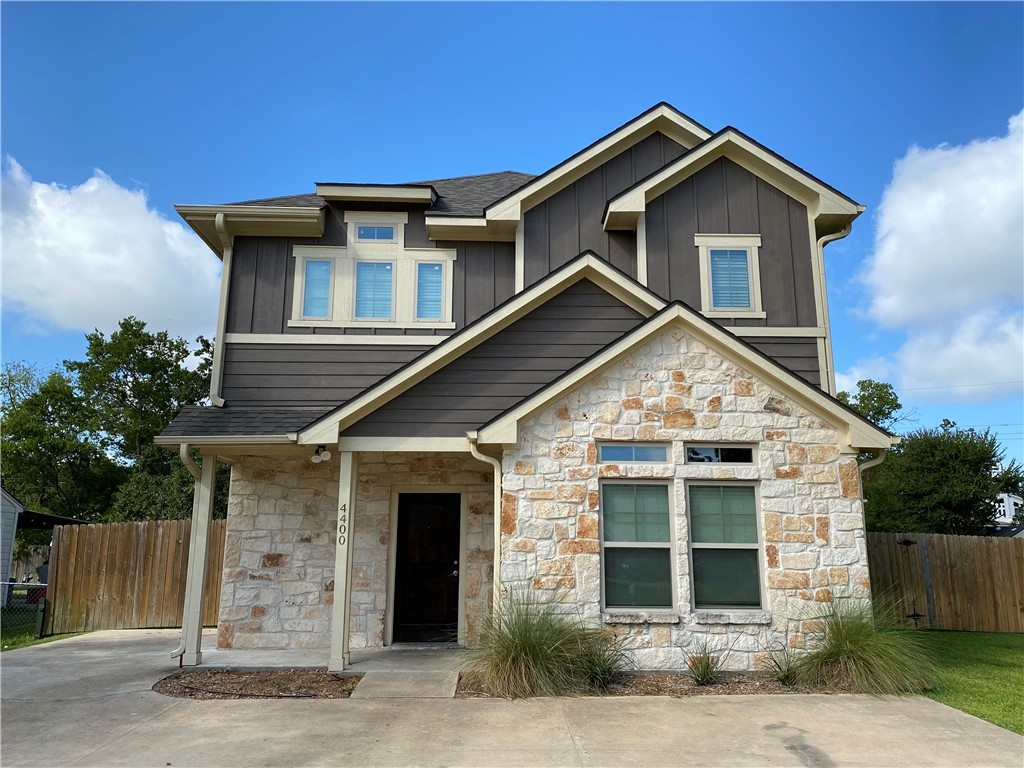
[(667, 684), (321, 684), (257, 684)]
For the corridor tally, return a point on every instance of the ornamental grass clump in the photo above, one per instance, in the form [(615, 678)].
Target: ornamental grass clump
[(705, 665), (527, 649), (864, 652)]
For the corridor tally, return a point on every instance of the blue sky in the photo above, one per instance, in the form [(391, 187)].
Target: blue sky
[(112, 113)]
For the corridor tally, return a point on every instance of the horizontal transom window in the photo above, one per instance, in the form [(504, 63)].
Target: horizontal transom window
[(719, 454), (632, 452)]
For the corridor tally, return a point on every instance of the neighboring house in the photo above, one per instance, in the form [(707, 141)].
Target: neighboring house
[(609, 386), (10, 509), (1008, 508)]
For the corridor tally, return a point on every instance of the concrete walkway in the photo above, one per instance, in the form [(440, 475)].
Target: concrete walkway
[(86, 701)]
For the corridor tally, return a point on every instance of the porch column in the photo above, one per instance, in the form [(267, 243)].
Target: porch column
[(340, 615), (202, 511)]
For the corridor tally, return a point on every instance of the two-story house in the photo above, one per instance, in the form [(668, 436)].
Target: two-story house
[(609, 386)]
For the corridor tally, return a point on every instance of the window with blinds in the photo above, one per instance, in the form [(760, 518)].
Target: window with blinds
[(374, 290), (636, 545), (730, 278), (316, 295), (429, 291)]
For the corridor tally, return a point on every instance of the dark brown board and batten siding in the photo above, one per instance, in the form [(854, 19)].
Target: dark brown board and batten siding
[(798, 354), (508, 367), (571, 221), (724, 198), (326, 375)]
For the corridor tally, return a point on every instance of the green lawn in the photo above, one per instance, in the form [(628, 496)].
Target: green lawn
[(983, 675)]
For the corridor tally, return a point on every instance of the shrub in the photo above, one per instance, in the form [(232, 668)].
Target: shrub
[(779, 664), (705, 665), (861, 652), (527, 649)]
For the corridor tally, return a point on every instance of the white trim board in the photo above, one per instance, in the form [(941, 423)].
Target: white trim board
[(332, 339), (623, 210)]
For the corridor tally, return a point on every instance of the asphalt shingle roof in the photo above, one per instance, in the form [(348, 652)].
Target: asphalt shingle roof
[(205, 420), (457, 196)]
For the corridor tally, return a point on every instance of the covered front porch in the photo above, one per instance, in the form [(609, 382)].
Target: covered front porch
[(367, 550)]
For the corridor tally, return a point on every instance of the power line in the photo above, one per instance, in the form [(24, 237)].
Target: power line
[(961, 386)]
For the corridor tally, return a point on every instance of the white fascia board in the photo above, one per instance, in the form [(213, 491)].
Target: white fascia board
[(377, 194), (855, 433), (589, 267), (278, 221), (477, 229), (663, 119), (624, 210)]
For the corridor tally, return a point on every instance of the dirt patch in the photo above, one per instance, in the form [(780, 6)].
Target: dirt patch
[(257, 684)]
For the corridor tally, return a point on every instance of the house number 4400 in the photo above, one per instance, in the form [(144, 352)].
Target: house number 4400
[(342, 523)]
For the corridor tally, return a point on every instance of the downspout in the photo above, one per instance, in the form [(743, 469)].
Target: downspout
[(193, 469), (496, 578), (830, 374), (216, 374)]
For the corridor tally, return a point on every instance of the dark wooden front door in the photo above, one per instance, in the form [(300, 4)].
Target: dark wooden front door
[(427, 568)]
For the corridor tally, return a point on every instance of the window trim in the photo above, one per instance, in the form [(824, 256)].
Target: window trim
[(749, 243), (758, 546), (650, 444), (670, 545)]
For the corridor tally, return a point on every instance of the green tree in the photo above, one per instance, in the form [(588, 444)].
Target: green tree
[(50, 460), (136, 382), (79, 442), (877, 401), (943, 480)]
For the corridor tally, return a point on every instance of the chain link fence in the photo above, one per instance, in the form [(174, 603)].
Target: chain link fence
[(21, 616)]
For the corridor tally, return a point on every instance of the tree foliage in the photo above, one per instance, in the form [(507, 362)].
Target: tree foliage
[(136, 382), (943, 480), (877, 401), (78, 442)]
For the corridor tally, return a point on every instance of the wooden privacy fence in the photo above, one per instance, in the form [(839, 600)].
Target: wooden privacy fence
[(127, 575), (950, 582)]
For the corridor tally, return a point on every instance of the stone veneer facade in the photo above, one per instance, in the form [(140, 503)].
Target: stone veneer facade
[(279, 550), (675, 389)]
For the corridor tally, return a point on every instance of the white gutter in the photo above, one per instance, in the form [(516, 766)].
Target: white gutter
[(216, 374), (193, 469), (496, 579), (829, 372)]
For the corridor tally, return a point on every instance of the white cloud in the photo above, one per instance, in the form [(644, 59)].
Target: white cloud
[(79, 258), (948, 267)]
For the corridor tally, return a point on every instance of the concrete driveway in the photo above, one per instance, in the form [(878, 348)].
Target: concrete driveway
[(87, 701)]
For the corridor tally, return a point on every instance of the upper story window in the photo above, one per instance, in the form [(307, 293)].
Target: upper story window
[(730, 282), (367, 233), (374, 281)]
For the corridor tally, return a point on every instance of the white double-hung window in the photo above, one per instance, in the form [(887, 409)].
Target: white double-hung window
[(636, 545), (725, 551), (730, 280), (374, 280)]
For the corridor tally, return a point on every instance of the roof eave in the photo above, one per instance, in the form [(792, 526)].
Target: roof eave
[(268, 220)]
